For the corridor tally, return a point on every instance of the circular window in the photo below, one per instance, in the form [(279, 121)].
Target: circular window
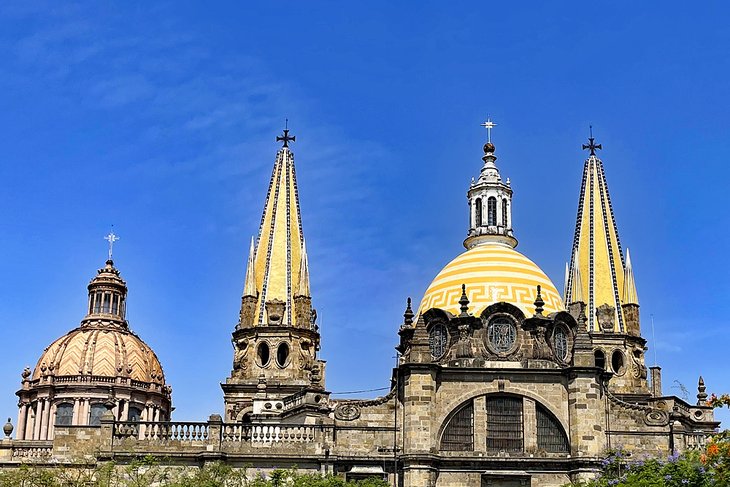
[(560, 343), (282, 354), (617, 362), (437, 338), (263, 354), (501, 334)]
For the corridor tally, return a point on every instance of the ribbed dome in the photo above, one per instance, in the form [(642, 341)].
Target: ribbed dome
[(492, 272), (100, 351)]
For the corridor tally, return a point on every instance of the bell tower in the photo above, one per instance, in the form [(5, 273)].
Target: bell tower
[(600, 280), (276, 339)]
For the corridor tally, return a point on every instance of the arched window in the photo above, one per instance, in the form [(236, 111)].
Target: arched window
[(459, 432), (504, 212), (478, 212), (97, 411), (504, 423), (492, 211), (617, 362), (560, 343), (437, 338), (550, 434), (64, 414), (599, 359)]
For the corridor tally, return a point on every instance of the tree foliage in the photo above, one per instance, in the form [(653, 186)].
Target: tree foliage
[(148, 472)]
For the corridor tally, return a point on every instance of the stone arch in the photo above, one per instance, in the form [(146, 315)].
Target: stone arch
[(461, 400)]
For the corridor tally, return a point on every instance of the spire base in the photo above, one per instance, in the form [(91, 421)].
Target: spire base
[(496, 238)]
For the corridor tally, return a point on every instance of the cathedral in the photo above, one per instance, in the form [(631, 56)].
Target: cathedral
[(502, 380)]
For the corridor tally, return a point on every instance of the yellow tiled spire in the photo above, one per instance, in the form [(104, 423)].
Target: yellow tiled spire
[(278, 254), (629, 295), (597, 258)]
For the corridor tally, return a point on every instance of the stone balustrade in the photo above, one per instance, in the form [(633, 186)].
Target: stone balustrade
[(31, 450)]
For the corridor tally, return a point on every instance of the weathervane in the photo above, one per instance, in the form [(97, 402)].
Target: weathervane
[(111, 238), (591, 145), (489, 125), (286, 138)]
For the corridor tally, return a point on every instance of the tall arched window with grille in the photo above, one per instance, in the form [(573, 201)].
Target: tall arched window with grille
[(505, 426), (550, 434), (458, 434), (477, 212), (492, 211), (504, 212)]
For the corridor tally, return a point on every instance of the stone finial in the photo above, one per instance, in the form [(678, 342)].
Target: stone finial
[(539, 303), (701, 394), (464, 302), (26, 373), (408, 314), (8, 429)]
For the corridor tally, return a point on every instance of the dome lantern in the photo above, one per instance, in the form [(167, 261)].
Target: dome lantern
[(490, 202)]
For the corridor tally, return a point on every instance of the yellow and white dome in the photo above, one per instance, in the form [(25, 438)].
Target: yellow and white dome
[(492, 273)]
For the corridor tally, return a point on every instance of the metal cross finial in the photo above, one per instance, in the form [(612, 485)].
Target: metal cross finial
[(489, 125), (286, 138), (111, 238), (591, 145)]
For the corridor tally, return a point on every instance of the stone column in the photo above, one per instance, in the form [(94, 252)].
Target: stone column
[(656, 381), (38, 419), (529, 415), (480, 424), (418, 390), (587, 412), (125, 411), (156, 413), (418, 476), (22, 418), (75, 417), (51, 421), (44, 420)]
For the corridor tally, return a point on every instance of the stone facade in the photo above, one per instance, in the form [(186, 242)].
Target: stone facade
[(490, 390)]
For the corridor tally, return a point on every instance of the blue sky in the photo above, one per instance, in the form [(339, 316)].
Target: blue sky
[(160, 119)]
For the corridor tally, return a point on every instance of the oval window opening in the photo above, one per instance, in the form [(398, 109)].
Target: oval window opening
[(617, 362), (599, 359), (282, 354), (263, 354)]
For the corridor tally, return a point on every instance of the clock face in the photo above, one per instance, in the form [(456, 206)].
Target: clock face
[(501, 334)]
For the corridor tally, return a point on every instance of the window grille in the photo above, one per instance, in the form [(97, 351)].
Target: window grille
[(504, 212), (550, 435), (560, 343), (459, 432), (478, 212), (501, 334), (437, 340), (492, 211), (64, 414), (504, 424)]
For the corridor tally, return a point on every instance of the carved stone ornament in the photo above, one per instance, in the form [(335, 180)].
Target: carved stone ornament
[(463, 346), (606, 315), (275, 311), (239, 360), (26, 373), (638, 369), (347, 412), (656, 417)]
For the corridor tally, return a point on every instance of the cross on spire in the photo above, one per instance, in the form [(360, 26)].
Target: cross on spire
[(286, 138), (111, 238), (591, 145), (489, 125)]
